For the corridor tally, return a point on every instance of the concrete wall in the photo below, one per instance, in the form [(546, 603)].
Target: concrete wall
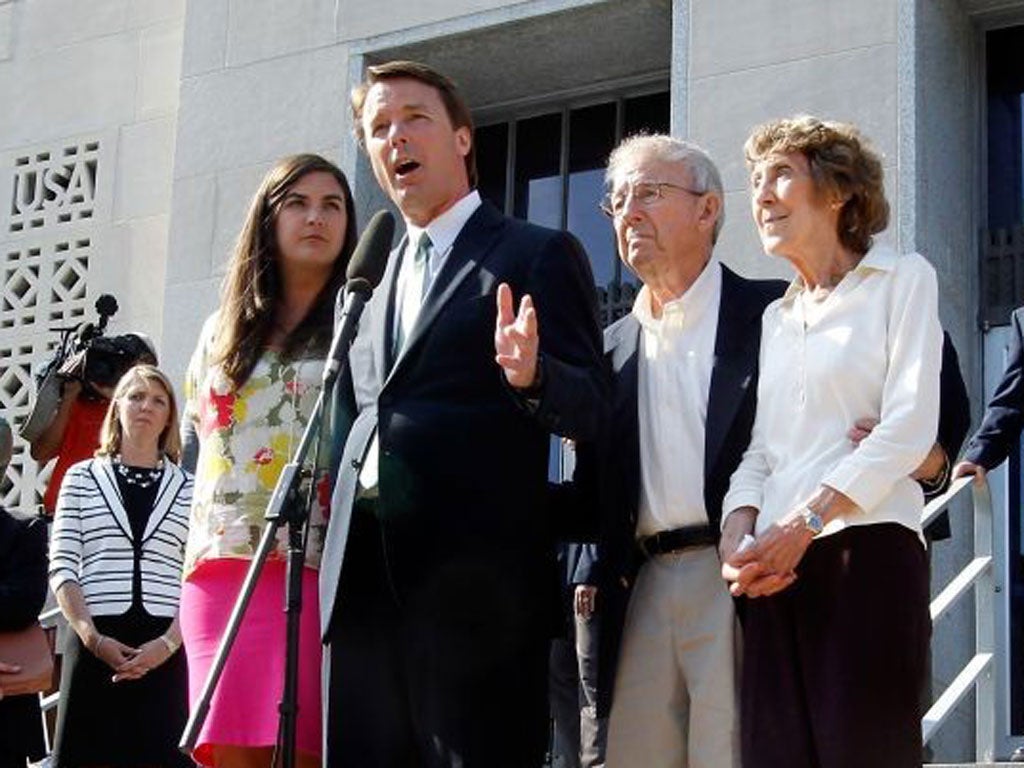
[(754, 60), (259, 80), (108, 71), (87, 135)]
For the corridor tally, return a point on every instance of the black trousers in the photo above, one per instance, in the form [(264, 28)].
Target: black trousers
[(833, 666), (451, 674)]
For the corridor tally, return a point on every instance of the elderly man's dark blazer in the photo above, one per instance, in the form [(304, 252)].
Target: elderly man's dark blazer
[(999, 432), (463, 458), (615, 470)]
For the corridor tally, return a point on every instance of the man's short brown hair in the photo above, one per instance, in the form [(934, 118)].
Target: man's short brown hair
[(455, 106)]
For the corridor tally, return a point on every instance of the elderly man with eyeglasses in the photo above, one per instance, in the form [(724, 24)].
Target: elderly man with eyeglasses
[(685, 364)]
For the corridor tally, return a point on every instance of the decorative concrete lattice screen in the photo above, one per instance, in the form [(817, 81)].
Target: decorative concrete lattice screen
[(44, 258)]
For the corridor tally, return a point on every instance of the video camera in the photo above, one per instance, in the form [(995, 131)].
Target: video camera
[(84, 354), (87, 355)]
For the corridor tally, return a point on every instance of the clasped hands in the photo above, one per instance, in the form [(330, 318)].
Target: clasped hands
[(769, 565), (130, 663)]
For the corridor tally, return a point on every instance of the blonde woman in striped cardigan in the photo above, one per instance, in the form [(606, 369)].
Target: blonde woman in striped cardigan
[(115, 566)]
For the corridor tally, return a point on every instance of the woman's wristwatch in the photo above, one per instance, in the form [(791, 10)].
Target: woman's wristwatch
[(812, 521)]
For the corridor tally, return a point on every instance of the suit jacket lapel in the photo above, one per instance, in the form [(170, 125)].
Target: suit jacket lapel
[(623, 344), (470, 250), (102, 470), (383, 330), (734, 365), (166, 495)]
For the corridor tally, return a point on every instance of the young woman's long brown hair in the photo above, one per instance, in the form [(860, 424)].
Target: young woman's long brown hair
[(252, 287)]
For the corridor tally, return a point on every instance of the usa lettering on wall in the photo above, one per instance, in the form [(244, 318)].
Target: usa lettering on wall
[(54, 187)]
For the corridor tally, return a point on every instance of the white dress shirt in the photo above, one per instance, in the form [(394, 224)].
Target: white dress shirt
[(677, 353), (442, 232), (872, 348)]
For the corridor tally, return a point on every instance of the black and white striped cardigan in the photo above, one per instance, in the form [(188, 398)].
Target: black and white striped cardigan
[(92, 546)]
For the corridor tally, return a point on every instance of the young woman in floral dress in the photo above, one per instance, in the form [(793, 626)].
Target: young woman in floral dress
[(251, 387)]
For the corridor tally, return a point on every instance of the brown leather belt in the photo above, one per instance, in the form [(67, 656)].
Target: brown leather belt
[(676, 539)]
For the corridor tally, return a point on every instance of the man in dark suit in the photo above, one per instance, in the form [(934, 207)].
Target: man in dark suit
[(22, 594), (999, 432), (437, 583)]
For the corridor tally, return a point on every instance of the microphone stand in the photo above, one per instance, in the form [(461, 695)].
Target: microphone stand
[(285, 507)]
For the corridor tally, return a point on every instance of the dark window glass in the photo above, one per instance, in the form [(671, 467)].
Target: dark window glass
[(492, 162), (538, 170), (1003, 250), (646, 114), (1005, 136), (591, 139), (563, 191), (1002, 244)]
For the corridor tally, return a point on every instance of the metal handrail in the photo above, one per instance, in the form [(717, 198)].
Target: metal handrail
[(48, 620), (979, 574)]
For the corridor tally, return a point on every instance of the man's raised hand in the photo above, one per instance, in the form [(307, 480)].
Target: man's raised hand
[(516, 340)]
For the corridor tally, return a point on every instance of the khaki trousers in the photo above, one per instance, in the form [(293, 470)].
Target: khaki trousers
[(675, 687)]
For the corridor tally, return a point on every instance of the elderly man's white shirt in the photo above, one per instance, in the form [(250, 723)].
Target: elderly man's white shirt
[(676, 358)]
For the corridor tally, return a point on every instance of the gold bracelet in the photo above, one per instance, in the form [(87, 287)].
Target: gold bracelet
[(171, 645)]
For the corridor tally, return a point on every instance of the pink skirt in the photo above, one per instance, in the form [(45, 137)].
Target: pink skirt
[(244, 709)]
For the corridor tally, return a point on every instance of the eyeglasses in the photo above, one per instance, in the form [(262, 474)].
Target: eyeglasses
[(644, 193)]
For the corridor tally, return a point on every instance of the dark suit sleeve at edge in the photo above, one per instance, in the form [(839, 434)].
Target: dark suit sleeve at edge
[(954, 402), (954, 422), (574, 398), (1001, 427), (23, 574), (573, 505)]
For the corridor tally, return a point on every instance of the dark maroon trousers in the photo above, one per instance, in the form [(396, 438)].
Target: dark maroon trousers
[(833, 665)]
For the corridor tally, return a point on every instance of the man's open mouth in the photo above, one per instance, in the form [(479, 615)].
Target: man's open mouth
[(405, 167)]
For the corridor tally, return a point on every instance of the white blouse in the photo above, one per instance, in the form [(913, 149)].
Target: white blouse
[(872, 348)]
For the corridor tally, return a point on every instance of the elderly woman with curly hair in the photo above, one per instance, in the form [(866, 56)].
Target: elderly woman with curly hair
[(836, 624)]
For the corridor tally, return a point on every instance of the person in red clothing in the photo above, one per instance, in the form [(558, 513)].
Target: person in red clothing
[(73, 433)]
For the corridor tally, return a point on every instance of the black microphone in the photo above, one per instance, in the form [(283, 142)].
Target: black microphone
[(370, 256), (364, 272)]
